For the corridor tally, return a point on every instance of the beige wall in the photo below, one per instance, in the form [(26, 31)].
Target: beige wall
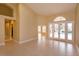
[(46, 19), (2, 30), (41, 20), (27, 25), (77, 25), (68, 15), (16, 29), (14, 6)]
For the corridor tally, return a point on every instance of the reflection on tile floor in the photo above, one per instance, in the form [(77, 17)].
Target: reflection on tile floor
[(40, 47)]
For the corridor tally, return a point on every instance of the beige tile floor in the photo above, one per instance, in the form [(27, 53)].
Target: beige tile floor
[(39, 48)]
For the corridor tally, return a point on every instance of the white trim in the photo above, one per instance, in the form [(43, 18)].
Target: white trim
[(2, 44), (25, 41), (7, 17)]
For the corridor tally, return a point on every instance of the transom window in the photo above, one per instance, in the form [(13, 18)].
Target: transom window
[(60, 18)]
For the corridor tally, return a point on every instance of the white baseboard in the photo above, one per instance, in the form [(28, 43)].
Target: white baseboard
[(2, 44), (25, 41)]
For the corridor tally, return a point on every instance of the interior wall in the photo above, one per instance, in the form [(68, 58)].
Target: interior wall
[(14, 7), (46, 19), (2, 35), (16, 24), (41, 20), (77, 25), (27, 25), (70, 15)]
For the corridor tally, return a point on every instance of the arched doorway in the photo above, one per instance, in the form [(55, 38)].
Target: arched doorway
[(61, 29)]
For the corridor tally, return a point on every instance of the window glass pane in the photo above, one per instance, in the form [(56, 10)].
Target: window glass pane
[(39, 35), (69, 29), (60, 18), (50, 30), (44, 28), (39, 28), (62, 31), (56, 30)]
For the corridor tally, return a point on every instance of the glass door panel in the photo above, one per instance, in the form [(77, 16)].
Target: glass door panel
[(56, 29), (39, 28), (50, 30), (44, 29), (69, 31), (62, 30), (39, 32)]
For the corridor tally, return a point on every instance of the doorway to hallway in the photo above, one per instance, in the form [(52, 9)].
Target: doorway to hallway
[(9, 29)]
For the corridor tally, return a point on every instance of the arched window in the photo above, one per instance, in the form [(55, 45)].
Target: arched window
[(60, 18)]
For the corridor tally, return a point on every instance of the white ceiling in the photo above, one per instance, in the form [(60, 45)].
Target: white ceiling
[(51, 8)]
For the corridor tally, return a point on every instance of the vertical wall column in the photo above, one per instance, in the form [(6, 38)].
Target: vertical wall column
[(2, 30), (77, 25)]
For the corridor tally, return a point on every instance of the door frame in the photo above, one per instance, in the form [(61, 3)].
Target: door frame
[(11, 25)]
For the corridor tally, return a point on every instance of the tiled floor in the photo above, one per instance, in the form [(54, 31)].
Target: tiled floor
[(39, 48)]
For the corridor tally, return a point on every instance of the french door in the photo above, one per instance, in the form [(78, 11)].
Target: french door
[(61, 30)]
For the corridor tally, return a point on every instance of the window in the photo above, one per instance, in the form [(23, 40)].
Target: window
[(56, 28), (41, 31), (50, 30), (69, 30), (39, 28), (61, 29), (43, 28), (60, 18)]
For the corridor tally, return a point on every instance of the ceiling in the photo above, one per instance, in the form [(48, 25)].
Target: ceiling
[(51, 8)]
